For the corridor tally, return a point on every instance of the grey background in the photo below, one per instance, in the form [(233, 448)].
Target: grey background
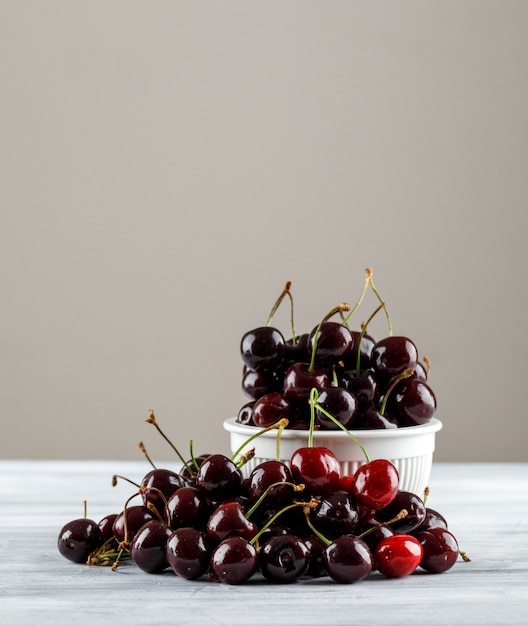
[(166, 166)]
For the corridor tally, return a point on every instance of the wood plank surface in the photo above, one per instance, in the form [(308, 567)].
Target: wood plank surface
[(486, 506)]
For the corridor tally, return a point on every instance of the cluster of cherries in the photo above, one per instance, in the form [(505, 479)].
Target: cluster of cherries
[(364, 383), (284, 521)]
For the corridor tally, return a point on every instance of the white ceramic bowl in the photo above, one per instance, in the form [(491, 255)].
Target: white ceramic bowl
[(410, 448)]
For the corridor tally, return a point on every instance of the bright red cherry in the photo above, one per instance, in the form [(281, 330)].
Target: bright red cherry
[(398, 555), (317, 468), (375, 484)]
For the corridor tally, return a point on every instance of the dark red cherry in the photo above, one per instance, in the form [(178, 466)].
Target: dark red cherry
[(440, 550), (393, 355), (348, 559), (408, 501), (333, 343), (269, 473), (234, 561), (148, 548), (299, 381), (78, 539), (263, 348), (245, 414), (413, 402), (433, 519), (284, 559), (365, 345), (297, 352), (364, 387), (316, 547), (136, 516), (270, 408), (258, 384), (336, 514), (188, 507), (218, 478), (398, 555), (317, 468), (105, 525), (375, 484), (188, 553), (228, 519), (159, 485), (341, 405), (370, 418)]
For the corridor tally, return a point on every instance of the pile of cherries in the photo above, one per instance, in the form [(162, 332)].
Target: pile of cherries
[(364, 383), (285, 522)]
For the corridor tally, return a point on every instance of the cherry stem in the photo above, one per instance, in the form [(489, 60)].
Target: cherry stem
[(362, 334), (128, 480), (338, 309), (316, 532), (368, 271), (282, 422), (427, 364), (141, 446), (191, 453), (151, 419), (311, 504), (278, 440), (85, 509), (245, 458), (464, 556), (285, 292), (405, 374), (371, 283), (314, 395), (403, 513), (262, 497)]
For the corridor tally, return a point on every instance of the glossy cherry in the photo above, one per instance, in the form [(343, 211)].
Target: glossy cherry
[(229, 519), (233, 561), (392, 355), (348, 559), (188, 507), (272, 407), (262, 348), (375, 484), (284, 558), (136, 516), (398, 555), (159, 484), (440, 550), (333, 342), (78, 539), (218, 477), (188, 552), (408, 501), (317, 468), (148, 548), (340, 403)]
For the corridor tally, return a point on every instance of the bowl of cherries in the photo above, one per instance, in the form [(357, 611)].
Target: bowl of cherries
[(342, 389)]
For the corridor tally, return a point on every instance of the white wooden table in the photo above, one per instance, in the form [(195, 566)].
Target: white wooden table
[(486, 506)]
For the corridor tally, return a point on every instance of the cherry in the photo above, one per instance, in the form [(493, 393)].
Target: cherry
[(258, 384), (105, 525), (266, 474), (347, 559), (229, 519), (393, 355), (300, 379), (432, 519), (136, 516), (398, 555), (233, 561), (371, 418), (414, 402), (336, 514), (364, 344), (317, 468), (245, 414), (340, 403), (316, 547), (188, 507), (263, 348), (218, 477), (148, 548), (270, 408), (188, 552), (297, 351), (408, 501), (284, 558), (365, 387), (78, 539), (159, 484), (375, 484), (332, 341), (440, 549)]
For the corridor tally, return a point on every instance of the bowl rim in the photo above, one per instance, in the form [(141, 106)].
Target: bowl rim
[(433, 426)]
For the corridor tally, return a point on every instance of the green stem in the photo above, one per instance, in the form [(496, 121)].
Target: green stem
[(312, 504), (371, 282), (361, 335), (316, 532), (278, 424), (285, 292), (295, 487), (339, 308), (368, 273), (314, 394)]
